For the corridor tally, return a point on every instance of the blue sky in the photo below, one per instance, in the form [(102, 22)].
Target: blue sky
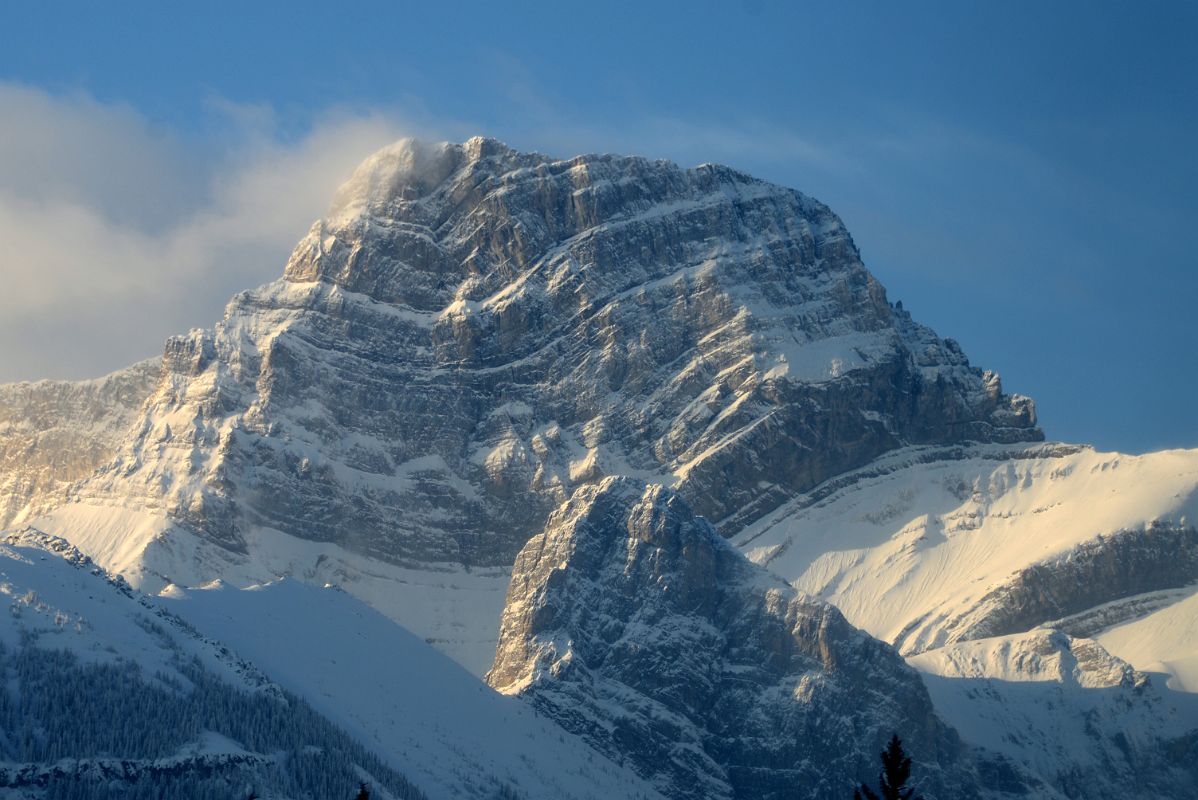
[(1021, 175)]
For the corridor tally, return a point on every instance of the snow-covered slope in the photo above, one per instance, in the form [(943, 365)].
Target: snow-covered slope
[(418, 711), (1164, 640), (453, 607), (455, 736), (1010, 575), (928, 546), (1064, 709), (58, 599), (106, 695)]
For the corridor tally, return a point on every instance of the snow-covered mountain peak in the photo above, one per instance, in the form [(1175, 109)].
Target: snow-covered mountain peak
[(481, 331)]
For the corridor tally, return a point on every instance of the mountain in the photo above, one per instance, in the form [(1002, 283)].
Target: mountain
[(634, 624), (477, 348), (472, 333)]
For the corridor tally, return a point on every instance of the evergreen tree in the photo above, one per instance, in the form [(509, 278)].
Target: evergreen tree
[(363, 792), (892, 780)]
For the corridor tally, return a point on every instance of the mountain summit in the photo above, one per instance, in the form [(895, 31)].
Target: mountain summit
[(474, 332)]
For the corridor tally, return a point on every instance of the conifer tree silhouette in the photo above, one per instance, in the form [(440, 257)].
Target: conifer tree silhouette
[(892, 780), (363, 792)]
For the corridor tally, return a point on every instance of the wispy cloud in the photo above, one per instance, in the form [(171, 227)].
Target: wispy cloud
[(115, 234)]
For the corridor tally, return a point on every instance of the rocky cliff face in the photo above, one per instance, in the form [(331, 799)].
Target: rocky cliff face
[(631, 622), (474, 332), (56, 432)]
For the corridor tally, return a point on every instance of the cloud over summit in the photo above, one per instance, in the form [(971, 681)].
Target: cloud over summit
[(117, 233)]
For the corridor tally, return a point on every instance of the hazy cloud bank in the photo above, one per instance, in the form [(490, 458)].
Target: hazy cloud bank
[(116, 234)]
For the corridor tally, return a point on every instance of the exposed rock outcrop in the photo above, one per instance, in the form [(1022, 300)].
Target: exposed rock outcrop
[(56, 432), (632, 623)]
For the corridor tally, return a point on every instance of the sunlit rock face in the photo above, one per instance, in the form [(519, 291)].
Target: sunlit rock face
[(634, 624), (473, 333), (55, 432)]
